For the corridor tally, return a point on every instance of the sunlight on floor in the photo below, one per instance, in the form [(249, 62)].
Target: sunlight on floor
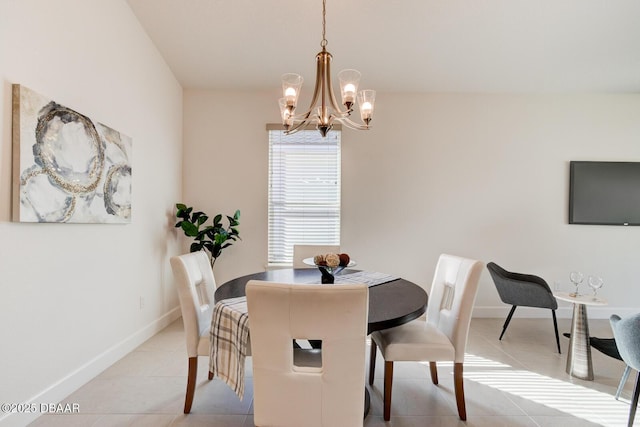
[(573, 399)]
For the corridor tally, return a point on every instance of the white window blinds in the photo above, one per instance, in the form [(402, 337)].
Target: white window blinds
[(304, 191)]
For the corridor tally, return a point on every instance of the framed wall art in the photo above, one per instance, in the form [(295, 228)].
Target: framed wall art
[(66, 167)]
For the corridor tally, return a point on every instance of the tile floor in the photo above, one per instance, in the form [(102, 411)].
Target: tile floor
[(519, 381)]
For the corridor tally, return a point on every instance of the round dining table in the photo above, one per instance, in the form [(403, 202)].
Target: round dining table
[(390, 304)]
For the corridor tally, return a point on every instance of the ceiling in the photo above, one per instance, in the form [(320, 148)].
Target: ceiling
[(484, 46)]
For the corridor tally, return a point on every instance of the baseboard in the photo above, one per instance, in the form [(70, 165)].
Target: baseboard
[(563, 312), (76, 379)]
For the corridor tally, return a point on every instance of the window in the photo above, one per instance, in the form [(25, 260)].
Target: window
[(304, 191)]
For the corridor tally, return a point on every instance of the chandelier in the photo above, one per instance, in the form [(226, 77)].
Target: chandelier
[(328, 112)]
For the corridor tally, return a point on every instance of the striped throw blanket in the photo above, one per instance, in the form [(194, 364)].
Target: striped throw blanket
[(229, 334)]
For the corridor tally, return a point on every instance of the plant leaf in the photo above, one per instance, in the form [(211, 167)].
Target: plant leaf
[(189, 229), (221, 238), (217, 249), (197, 215)]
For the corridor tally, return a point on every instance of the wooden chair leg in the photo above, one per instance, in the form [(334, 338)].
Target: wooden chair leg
[(506, 323), (191, 384), (555, 325), (434, 372), (372, 361), (459, 386), (634, 401), (388, 381)]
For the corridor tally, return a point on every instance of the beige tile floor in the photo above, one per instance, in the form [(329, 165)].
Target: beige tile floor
[(519, 381)]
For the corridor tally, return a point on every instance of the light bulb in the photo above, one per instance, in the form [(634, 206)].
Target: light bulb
[(349, 93)]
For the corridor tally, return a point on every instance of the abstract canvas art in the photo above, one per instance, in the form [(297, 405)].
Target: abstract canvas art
[(66, 167)]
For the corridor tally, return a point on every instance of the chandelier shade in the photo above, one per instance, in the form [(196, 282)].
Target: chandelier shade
[(324, 109)]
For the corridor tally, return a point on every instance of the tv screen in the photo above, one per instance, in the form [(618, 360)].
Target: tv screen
[(606, 193)]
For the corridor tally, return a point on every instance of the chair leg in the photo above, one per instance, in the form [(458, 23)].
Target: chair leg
[(459, 386), (388, 381), (434, 372), (634, 401), (191, 383), (372, 361), (555, 325), (506, 323), (623, 380)]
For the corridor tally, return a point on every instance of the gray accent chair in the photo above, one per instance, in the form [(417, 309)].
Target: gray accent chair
[(524, 290), (625, 332), (608, 346)]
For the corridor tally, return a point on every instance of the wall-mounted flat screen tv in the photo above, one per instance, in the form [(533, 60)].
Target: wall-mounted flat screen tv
[(606, 193)]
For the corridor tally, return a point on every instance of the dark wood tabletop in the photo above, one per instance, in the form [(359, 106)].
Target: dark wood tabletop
[(390, 304)]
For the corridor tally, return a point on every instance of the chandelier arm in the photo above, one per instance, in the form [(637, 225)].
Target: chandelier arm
[(332, 97), (300, 125), (293, 130), (344, 121), (304, 117), (342, 114), (351, 124)]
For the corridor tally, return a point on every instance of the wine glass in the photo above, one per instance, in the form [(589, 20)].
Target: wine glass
[(595, 283), (576, 278)]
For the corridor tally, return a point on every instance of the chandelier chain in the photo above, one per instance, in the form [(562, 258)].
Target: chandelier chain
[(323, 43)]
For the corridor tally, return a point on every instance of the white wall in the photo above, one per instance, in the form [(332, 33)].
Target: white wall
[(225, 168), (69, 293), (484, 176)]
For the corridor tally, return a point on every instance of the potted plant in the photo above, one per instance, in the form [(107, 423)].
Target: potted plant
[(211, 238)]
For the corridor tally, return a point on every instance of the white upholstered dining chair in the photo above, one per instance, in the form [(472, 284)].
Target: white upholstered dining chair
[(442, 336), (311, 388), (196, 284), (300, 252)]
